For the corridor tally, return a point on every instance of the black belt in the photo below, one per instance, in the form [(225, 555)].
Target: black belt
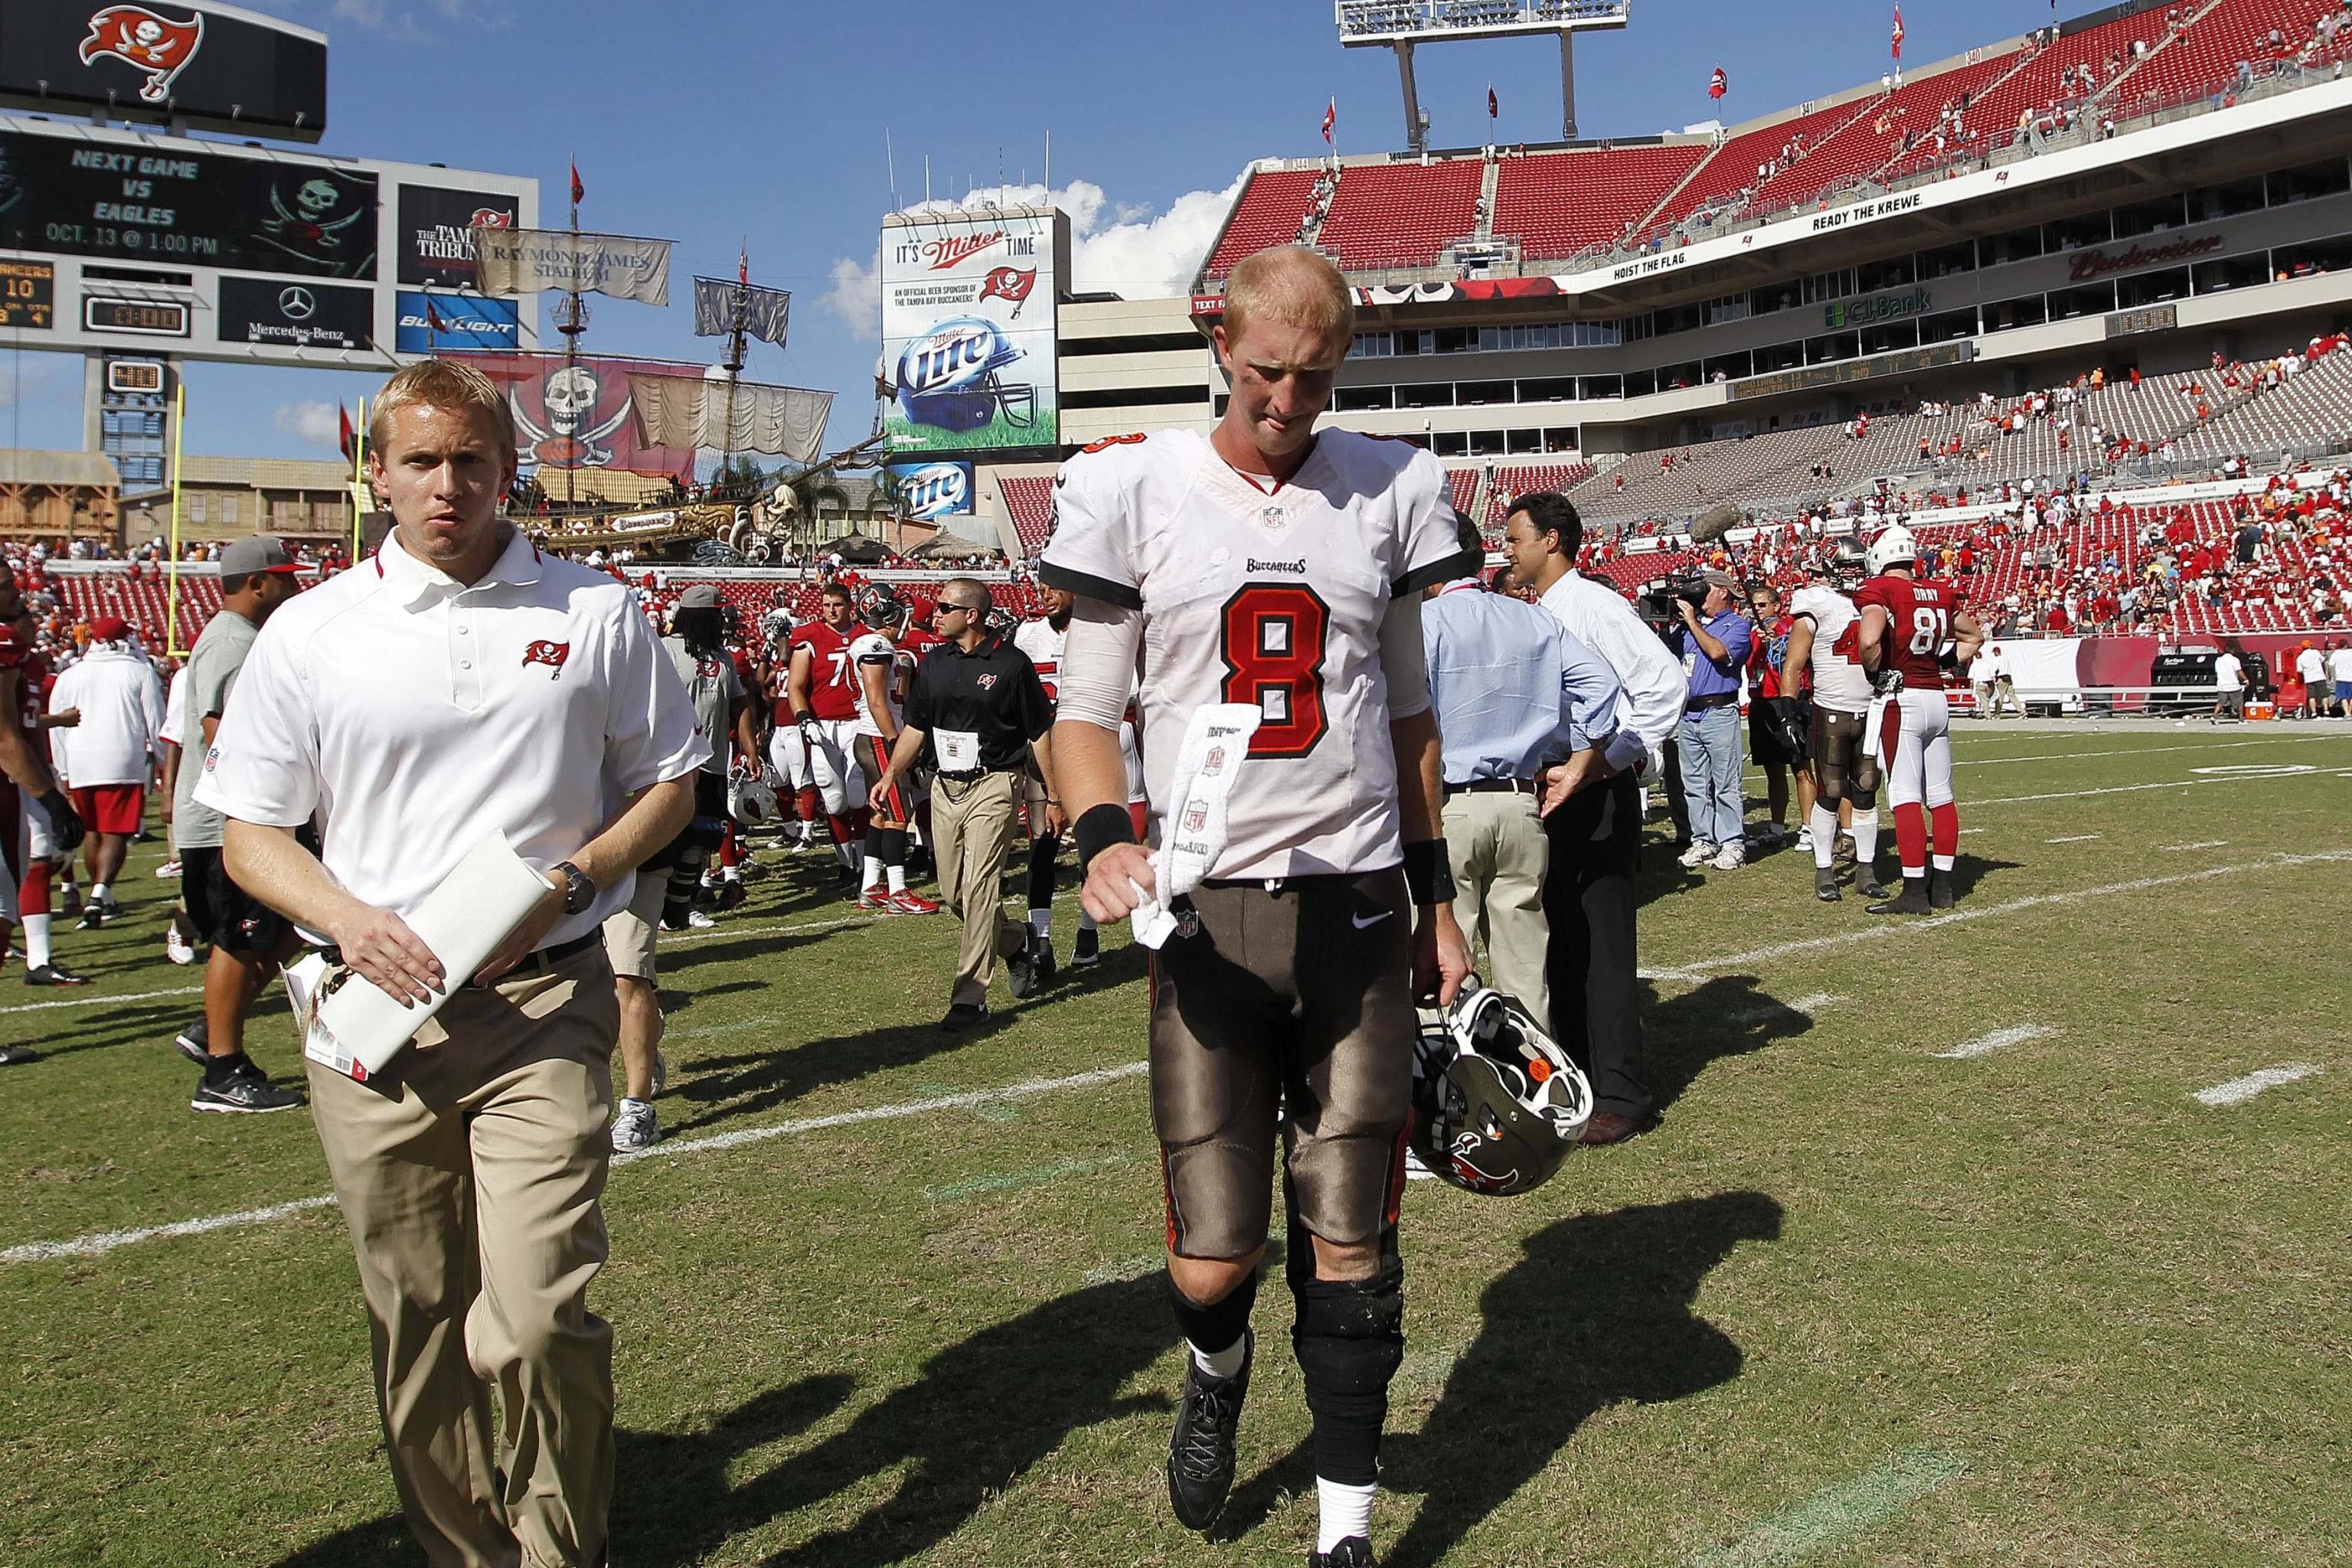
[(1492, 786), (1701, 704), (973, 775)]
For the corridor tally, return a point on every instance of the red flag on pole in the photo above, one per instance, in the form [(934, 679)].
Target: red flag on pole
[(343, 435), (744, 265), (577, 189), (1898, 32), (1719, 85), (1493, 107), (433, 322), (1330, 118)]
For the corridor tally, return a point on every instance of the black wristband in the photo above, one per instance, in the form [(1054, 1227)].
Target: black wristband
[(1102, 827), (1428, 873)]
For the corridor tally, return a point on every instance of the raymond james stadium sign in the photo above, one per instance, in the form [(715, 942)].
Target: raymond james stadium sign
[(1878, 307), (2084, 265)]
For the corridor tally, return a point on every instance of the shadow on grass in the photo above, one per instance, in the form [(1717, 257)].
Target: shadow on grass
[(723, 1088), (1730, 1016), (980, 1416), (1597, 1313)]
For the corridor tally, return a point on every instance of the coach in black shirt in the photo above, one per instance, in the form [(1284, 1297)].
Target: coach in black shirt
[(978, 707)]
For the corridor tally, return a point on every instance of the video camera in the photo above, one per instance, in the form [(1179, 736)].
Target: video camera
[(1656, 604)]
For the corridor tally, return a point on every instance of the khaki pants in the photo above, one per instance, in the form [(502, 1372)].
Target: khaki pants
[(973, 824), (469, 1174), (1499, 853)]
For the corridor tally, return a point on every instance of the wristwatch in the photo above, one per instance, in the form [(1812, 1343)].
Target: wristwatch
[(579, 890)]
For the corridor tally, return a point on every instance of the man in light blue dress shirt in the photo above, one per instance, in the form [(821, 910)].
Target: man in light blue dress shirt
[(1524, 707)]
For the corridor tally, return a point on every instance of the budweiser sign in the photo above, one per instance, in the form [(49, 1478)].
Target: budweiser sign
[(2087, 264)]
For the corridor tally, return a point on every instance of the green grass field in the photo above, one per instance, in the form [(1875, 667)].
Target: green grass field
[(1861, 1296)]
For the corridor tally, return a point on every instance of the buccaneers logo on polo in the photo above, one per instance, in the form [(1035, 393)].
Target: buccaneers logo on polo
[(550, 653), (145, 41)]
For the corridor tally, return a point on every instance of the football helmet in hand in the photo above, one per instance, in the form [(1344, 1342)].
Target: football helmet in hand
[(750, 799), (1497, 1105)]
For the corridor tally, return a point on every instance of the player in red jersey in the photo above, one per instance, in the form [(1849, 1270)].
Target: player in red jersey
[(822, 691), (24, 774), (1912, 630), (41, 853)]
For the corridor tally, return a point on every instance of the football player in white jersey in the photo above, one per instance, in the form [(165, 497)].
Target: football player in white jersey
[(874, 653), (1826, 639), (1267, 564), (1041, 639)]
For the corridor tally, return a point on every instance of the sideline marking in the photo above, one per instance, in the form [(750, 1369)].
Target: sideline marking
[(2169, 784), (2015, 1035), (103, 1242), (1712, 966), (2238, 1091), (975, 1186), (2147, 751), (2072, 838), (2201, 844), (1836, 1512)]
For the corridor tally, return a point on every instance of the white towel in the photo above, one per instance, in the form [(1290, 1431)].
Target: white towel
[(1215, 742)]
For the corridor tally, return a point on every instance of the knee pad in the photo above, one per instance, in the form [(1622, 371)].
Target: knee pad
[(1348, 1336), (1863, 799)]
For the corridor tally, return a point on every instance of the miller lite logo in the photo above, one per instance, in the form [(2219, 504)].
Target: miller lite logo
[(550, 653), (145, 41), (935, 489), (942, 254)]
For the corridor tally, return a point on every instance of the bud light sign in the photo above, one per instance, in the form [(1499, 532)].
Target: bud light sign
[(927, 490)]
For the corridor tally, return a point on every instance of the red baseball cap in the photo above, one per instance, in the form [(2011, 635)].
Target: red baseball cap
[(109, 628)]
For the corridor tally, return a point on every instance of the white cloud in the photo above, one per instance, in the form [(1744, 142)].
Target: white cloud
[(1118, 248), (314, 423)]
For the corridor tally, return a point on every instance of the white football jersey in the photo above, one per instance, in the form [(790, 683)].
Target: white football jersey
[(1273, 598), (1839, 680), (874, 648), (1042, 644)]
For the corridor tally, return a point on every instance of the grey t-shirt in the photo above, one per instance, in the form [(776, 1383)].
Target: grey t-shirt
[(211, 671), (714, 689)]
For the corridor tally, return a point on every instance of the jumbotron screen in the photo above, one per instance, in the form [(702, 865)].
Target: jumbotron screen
[(128, 202)]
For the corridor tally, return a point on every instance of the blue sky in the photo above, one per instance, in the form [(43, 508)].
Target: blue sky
[(715, 123)]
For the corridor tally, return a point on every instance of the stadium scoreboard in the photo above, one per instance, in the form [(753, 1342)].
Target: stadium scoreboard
[(239, 254)]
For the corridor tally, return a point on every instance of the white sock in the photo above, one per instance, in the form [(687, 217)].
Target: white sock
[(729, 874), (1866, 836), (1823, 822), (1225, 1362), (846, 854), (897, 878), (36, 940), (1344, 1511), (97, 893), (873, 871), (1943, 862), (1041, 921)]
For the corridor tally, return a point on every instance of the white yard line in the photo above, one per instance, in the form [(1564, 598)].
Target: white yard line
[(2072, 838), (2148, 750), (2238, 1091), (2017, 1035), (2201, 844), (1838, 1513), (103, 1242), (1755, 955), (2169, 784)]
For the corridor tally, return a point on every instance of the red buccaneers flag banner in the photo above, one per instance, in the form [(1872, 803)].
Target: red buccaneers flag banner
[(577, 190), (1330, 118), (145, 41), (1719, 85), (1898, 32), (1494, 106), (582, 416)]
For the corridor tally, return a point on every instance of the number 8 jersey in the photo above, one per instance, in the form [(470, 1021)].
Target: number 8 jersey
[(1275, 598), (1918, 625)]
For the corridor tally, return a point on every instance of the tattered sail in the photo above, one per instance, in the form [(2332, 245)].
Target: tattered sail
[(781, 421), (720, 302)]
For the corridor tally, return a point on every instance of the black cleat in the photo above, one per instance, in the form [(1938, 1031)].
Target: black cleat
[(1911, 900), (15, 1056), (1041, 962), (1866, 883), (239, 1086), (92, 918), (192, 1043), (54, 975), (69, 899), (1939, 890), (963, 1015), (1020, 972), (1201, 1449), (1088, 950), (1353, 1552), (1825, 886)]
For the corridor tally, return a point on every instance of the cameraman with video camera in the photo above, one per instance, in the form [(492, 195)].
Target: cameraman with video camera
[(1712, 643)]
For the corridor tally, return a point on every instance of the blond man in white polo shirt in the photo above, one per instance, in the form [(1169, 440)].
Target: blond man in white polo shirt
[(457, 685)]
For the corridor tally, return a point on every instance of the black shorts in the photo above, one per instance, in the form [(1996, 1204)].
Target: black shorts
[(1764, 747), (1297, 995), (224, 914), (1841, 770)]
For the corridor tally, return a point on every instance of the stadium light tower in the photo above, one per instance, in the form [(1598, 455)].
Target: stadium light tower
[(1399, 25)]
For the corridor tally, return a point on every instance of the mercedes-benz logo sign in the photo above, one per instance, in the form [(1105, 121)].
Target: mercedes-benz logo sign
[(296, 303)]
